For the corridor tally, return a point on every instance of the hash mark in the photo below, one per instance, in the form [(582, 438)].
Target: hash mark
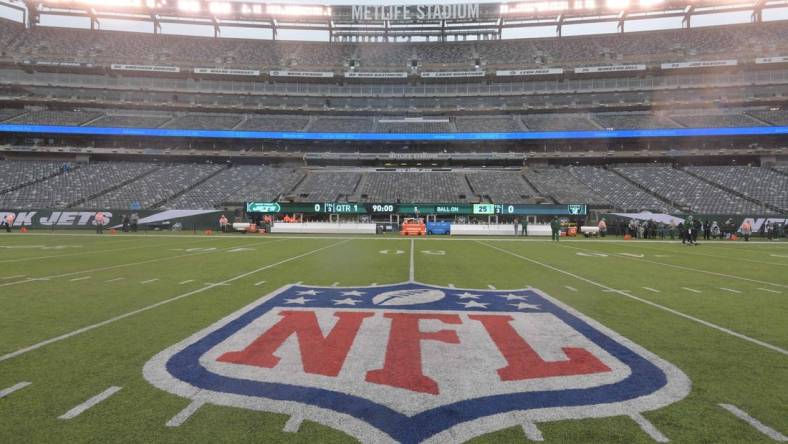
[(649, 428), (730, 289), (114, 280), (259, 283), (570, 288), (185, 282), (692, 290), (491, 287), (185, 414), (653, 290), (294, 423), (532, 432), (149, 281), (78, 410), (770, 290), (13, 388), (79, 279)]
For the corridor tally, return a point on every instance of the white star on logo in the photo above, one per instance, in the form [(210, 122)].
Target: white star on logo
[(353, 293), (523, 305), (346, 301), (308, 292), (472, 304), (467, 295), (300, 300), (512, 297)]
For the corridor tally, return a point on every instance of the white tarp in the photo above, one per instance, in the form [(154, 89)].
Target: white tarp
[(656, 217)]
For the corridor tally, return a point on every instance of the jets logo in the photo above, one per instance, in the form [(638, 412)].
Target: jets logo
[(414, 363)]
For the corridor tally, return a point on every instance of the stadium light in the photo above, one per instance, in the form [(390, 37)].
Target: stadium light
[(298, 10), (617, 5), (650, 3), (189, 6), (220, 8)]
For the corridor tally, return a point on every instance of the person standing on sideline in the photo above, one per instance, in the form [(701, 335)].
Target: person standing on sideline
[(524, 228), (707, 230), (516, 226), (746, 230), (555, 226), (99, 222), (9, 221), (602, 227), (223, 223), (135, 220)]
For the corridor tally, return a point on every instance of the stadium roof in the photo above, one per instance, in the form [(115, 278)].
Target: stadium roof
[(388, 22)]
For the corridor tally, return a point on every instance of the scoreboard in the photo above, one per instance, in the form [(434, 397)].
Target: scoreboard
[(410, 209)]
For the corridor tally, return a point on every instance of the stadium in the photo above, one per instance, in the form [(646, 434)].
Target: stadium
[(445, 221)]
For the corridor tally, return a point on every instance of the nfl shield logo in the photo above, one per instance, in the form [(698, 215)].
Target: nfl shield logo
[(414, 363)]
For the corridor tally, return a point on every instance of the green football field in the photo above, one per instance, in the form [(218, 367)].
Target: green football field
[(81, 315)]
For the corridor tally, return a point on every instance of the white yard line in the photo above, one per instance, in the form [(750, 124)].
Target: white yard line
[(114, 280), (158, 304), (13, 388), (649, 428), (761, 427), (730, 290), (83, 278), (412, 272), (681, 267), (646, 301), (149, 281), (570, 288), (110, 267), (531, 431), (78, 410), (691, 289), (81, 253), (653, 290), (185, 414), (294, 423)]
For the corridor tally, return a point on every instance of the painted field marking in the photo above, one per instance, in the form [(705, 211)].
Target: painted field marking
[(149, 281), (185, 414), (217, 284), (114, 280), (12, 277), (112, 267), (649, 428), (451, 286), (645, 301), (761, 427), (83, 278), (157, 304), (78, 410), (335, 284), (259, 283), (570, 288), (412, 270), (13, 388), (691, 289), (491, 287), (185, 282), (82, 253), (374, 284), (613, 291), (532, 432), (680, 267), (770, 290), (730, 290), (653, 290), (294, 423)]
